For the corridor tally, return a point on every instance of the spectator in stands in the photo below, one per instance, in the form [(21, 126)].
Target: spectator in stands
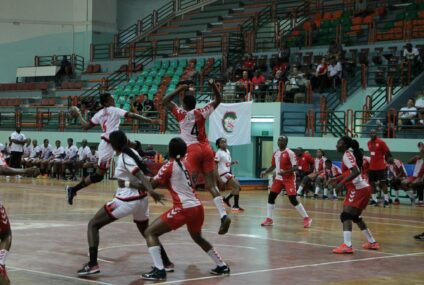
[(259, 87), (83, 155), (420, 121), (419, 101), (249, 64), (70, 160), (243, 85), (408, 114), (295, 87), (65, 67), (335, 72), (284, 53), (148, 108), (335, 50), (411, 53), (321, 78), (17, 148), (278, 77)]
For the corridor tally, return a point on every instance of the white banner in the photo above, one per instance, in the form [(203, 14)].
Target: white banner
[(231, 121)]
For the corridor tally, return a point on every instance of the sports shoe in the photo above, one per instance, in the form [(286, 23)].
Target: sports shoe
[(396, 202), (315, 196), (227, 202), (386, 204), (342, 249), (168, 268), (225, 225), (324, 197), (88, 269), (373, 203), (155, 274), (335, 198), (70, 194), (307, 222), (267, 222), (237, 210), (372, 246), (221, 270), (420, 204), (419, 237)]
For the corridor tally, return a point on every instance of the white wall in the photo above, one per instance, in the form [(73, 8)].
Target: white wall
[(129, 11)]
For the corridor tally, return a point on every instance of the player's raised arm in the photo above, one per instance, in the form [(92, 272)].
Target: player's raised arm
[(76, 113), (142, 118), (167, 101), (217, 93)]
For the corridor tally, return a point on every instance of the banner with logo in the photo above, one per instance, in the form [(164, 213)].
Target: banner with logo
[(231, 121)]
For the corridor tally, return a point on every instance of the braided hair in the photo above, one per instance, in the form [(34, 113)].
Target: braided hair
[(354, 145), (119, 141), (177, 150)]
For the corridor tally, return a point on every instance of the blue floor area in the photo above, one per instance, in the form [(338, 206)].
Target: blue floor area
[(252, 181)]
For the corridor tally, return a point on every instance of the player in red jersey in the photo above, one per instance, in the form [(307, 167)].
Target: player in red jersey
[(186, 210), (377, 173), (357, 195), (398, 173), (331, 171), (109, 119), (284, 161), (305, 163), (5, 243), (200, 156)]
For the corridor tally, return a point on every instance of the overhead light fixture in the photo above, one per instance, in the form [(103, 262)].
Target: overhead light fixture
[(262, 120)]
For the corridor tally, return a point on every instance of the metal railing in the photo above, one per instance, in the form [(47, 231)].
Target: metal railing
[(76, 61)]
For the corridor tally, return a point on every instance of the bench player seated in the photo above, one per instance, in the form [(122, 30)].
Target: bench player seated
[(8, 171), (398, 173)]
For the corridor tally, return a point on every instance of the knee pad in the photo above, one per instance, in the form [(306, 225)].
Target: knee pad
[(356, 219), (344, 216), (271, 197), (95, 178), (293, 200)]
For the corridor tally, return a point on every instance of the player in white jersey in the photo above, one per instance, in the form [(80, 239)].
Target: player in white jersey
[(109, 118), (225, 177), (200, 156), (55, 163), (70, 160), (130, 199), (187, 210), (357, 195), (84, 153), (45, 153), (331, 171)]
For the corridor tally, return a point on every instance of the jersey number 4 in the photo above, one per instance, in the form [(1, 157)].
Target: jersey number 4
[(194, 130)]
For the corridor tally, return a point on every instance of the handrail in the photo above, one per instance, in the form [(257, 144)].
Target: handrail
[(391, 123), (76, 61), (310, 126), (349, 123)]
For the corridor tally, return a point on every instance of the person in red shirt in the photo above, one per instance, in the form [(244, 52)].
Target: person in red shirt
[(377, 173), (357, 195), (284, 161), (305, 163), (398, 173), (243, 85), (258, 82), (249, 63)]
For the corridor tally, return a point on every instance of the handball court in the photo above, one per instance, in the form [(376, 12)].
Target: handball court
[(49, 242)]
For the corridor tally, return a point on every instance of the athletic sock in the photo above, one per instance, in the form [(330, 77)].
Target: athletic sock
[(236, 201), (216, 257), (301, 210), (325, 192), (374, 197), (368, 235), (3, 255), (386, 197), (316, 190), (334, 193), (155, 254), (397, 194), (299, 190), (269, 209), (219, 204), (229, 196), (93, 255), (79, 186), (164, 256), (347, 238)]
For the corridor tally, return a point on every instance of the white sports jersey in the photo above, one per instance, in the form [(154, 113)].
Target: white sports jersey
[(284, 160), (35, 151), (59, 152), (178, 181), (17, 147), (27, 150), (46, 152), (84, 153), (223, 158), (126, 167), (94, 158), (109, 120), (349, 161), (71, 152), (192, 123)]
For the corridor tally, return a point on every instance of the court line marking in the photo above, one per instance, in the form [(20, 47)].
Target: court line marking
[(60, 275), (294, 267), (171, 244)]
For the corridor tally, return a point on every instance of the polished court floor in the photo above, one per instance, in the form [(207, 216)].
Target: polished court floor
[(49, 242)]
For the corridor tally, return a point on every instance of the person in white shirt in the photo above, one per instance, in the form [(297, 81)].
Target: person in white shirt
[(34, 154), (408, 114), (70, 160), (27, 152), (83, 156), (130, 199), (410, 53), (225, 177), (9, 171), (17, 148), (55, 161), (109, 118), (335, 73), (91, 162), (43, 160), (419, 101)]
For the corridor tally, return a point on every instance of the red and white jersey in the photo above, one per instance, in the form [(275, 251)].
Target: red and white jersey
[(397, 169), (333, 172), (178, 181), (109, 120), (192, 123), (283, 160), (419, 168), (59, 152), (223, 158), (366, 160), (319, 164), (349, 161), (126, 168)]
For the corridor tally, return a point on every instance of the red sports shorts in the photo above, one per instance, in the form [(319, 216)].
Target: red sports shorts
[(200, 158), (357, 198), (177, 217), (288, 183)]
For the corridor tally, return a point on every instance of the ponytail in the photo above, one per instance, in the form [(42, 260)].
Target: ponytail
[(354, 145), (177, 150)]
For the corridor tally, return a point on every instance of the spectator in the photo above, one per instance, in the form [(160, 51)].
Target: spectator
[(249, 64), (335, 49), (65, 67), (296, 86), (420, 121), (259, 87), (408, 114), (321, 76), (278, 77), (148, 108), (17, 148), (284, 53), (410, 53), (84, 153), (419, 102), (243, 86), (335, 73)]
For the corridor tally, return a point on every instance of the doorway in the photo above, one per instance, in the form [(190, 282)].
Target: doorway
[(264, 150)]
